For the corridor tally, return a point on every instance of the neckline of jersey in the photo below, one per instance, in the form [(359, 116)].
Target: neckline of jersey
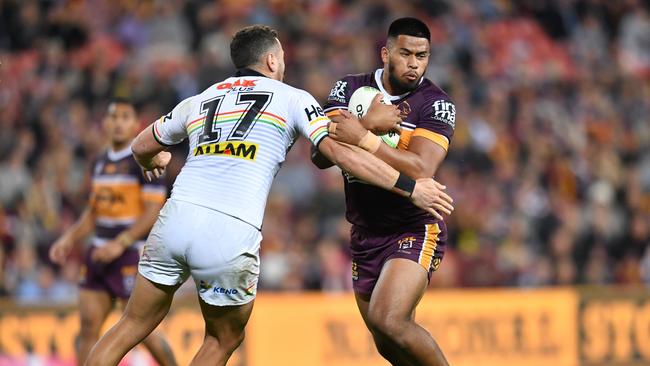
[(120, 154), (248, 72)]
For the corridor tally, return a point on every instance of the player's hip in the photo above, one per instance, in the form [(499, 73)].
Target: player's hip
[(424, 239)]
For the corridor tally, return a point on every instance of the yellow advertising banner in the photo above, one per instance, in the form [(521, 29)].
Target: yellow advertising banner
[(558, 327), (614, 327), (505, 327)]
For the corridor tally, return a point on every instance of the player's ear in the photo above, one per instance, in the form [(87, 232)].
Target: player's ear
[(384, 54), (272, 62)]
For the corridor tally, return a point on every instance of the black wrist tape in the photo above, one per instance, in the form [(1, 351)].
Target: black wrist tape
[(405, 183)]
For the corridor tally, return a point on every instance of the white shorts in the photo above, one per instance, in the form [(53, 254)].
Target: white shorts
[(219, 251)]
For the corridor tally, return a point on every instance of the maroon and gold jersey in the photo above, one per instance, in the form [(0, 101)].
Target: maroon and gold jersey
[(119, 192), (427, 112)]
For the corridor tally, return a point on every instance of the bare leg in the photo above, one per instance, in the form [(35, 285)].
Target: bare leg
[(384, 346), (148, 305), (157, 345), (399, 289), (159, 348), (94, 307), (224, 332)]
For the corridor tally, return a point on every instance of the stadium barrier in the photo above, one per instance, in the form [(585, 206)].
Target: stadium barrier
[(560, 327)]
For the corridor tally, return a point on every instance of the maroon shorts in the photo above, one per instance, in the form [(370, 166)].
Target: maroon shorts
[(115, 278), (424, 245)]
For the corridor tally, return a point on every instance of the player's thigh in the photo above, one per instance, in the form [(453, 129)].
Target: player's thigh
[(163, 260), (224, 261), (94, 306), (226, 323), (400, 287), (149, 301)]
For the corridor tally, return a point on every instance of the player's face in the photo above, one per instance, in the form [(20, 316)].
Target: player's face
[(405, 58), (121, 123)]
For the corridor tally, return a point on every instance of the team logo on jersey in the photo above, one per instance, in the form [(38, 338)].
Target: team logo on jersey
[(445, 111), (338, 92), (238, 149), (404, 109), (406, 243)]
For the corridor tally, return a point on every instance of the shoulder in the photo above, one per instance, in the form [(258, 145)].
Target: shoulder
[(435, 104), (347, 85), (431, 92)]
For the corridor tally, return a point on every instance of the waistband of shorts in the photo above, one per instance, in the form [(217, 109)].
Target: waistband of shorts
[(215, 210), (392, 230), (100, 242)]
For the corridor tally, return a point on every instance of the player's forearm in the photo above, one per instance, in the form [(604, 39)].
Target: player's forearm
[(405, 162), (142, 225), (145, 147), (364, 166), (83, 226)]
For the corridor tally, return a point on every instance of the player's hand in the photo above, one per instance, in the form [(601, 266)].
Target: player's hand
[(107, 253), (156, 167), (60, 249), (345, 127), (381, 118), (429, 195)]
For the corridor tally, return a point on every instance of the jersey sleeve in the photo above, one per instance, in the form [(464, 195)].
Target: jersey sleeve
[(310, 119), (437, 121), (171, 128), (339, 97)]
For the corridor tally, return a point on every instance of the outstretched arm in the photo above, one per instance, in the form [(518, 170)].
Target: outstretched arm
[(424, 193)]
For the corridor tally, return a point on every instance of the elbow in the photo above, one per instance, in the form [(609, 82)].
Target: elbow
[(319, 160), (420, 170), (136, 148)]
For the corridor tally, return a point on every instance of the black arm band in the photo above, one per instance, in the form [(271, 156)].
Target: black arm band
[(405, 183)]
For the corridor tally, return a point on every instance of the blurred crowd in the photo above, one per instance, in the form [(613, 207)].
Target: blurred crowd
[(549, 166)]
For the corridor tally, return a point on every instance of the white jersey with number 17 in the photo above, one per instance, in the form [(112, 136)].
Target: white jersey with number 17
[(240, 131)]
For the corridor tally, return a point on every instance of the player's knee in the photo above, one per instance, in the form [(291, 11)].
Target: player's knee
[(226, 343), (386, 326), (383, 345), (90, 326)]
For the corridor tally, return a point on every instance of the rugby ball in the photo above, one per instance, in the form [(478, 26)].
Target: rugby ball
[(359, 104)]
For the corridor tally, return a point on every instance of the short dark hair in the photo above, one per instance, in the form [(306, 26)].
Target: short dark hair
[(409, 27), (250, 44)]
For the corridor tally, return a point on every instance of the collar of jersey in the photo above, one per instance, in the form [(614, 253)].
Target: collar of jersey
[(120, 154), (248, 72), (392, 98)]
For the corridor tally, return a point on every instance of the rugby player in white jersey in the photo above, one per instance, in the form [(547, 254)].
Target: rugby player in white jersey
[(239, 132)]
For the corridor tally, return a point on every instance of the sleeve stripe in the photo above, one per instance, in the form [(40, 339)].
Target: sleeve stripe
[(432, 136), (319, 119), (154, 129), (318, 138), (317, 131), (336, 107)]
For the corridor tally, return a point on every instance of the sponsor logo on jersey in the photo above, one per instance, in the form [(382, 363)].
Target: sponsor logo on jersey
[(225, 291), (338, 92), (238, 149), (239, 85), (313, 112), (445, 111)]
